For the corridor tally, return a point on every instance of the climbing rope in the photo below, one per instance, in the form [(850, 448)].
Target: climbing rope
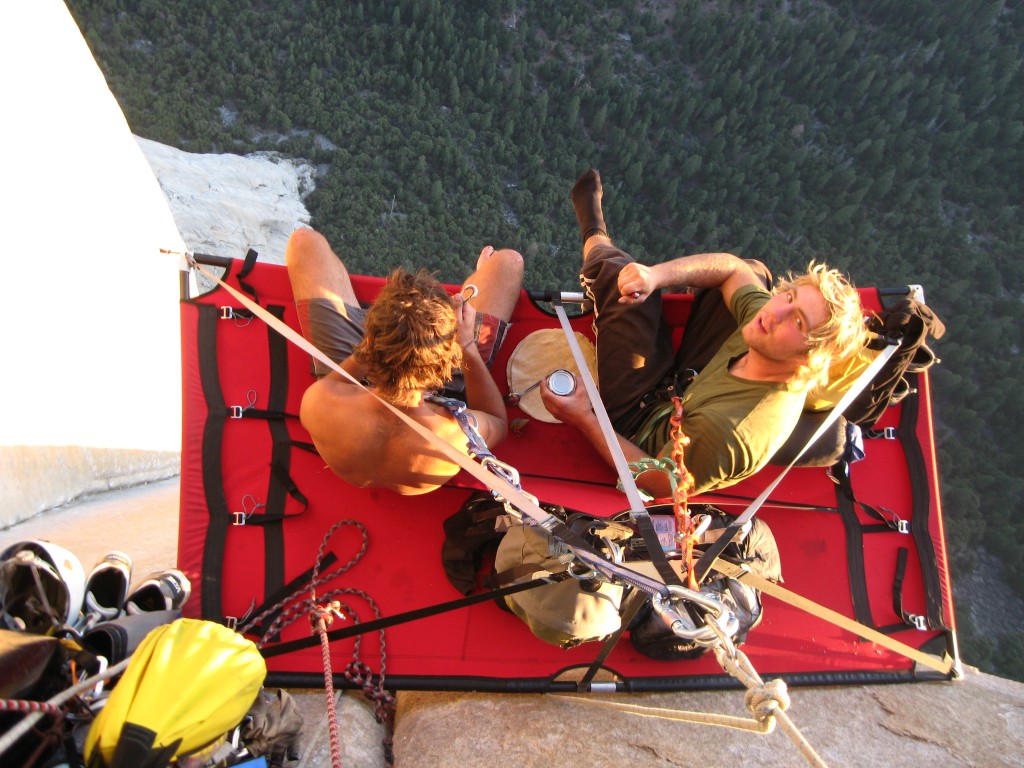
[(322, 612), (322, 617), (767, 702)]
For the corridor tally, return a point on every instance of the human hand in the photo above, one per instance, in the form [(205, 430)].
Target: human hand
[(636, 282), (465, 318), (572, 409)]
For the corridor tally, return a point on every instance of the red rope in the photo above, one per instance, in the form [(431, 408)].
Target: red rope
[(681, 494), (21, 705), (322, 619)]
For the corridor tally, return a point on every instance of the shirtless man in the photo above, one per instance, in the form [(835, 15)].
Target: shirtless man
[(407, 345), (756, 351)]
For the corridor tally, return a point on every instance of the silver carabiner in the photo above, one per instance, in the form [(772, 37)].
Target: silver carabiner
[(716, 613), (588, 575), (503, 470)]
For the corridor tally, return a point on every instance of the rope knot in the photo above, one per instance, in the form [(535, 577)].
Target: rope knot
[(325, 613), (763, 700)]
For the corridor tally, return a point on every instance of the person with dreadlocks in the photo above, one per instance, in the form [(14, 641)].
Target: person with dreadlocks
[(755, 351), (411, 342)]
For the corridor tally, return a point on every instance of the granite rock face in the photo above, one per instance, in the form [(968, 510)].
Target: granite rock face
[(225, 204), (977, 721)]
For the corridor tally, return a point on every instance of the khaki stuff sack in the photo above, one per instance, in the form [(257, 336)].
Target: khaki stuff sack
[(565, 613), (572, 611)]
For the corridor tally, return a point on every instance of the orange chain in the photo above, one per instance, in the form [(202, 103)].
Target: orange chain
[(680, 497)]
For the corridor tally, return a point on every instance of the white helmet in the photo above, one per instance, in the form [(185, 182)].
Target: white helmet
[(41, 586)]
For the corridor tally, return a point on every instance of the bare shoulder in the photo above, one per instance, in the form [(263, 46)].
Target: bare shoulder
[(329, 403)]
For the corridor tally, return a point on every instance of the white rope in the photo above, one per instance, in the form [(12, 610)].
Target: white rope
[(662, 713), (767, 702)]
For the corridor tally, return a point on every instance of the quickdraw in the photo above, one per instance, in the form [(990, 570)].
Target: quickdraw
[(467, 420)]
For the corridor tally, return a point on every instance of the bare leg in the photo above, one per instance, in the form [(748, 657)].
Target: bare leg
[(586, 197), (315, 270), (498, 279)]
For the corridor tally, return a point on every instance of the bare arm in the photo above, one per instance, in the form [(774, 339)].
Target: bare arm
[(482, 394), (702, 270)]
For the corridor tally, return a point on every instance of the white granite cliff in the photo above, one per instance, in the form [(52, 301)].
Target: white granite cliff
[(225, 204)]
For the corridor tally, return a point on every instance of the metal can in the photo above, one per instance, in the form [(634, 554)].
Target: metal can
[(561, 382)]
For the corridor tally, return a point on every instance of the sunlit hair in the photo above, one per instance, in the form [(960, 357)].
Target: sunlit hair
[(410, 341), (842, 334)]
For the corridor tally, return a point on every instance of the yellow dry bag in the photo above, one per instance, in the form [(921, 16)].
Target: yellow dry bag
[(188, 684)]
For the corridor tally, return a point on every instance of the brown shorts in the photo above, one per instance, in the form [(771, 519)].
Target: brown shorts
[(336, 329)]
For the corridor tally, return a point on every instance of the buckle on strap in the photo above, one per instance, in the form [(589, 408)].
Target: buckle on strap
[(238, 411), (917, 621), (249, 507)]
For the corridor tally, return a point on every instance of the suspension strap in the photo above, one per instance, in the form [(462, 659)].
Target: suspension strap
[(636, 506), (741, 573), (708, 559)]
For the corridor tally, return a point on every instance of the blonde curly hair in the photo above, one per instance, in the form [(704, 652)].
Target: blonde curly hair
[(842, 334), (410, 343)]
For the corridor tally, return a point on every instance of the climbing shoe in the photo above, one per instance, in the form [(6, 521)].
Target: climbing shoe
[(164, 591)]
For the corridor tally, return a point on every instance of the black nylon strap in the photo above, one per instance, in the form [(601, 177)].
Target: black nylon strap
[(247, 267), (655, 550), (212, 450), (293, 586), (855, 559), (632, 602), (401, 618), (257, 413), (281, 485), (897, 587), (919, 520)]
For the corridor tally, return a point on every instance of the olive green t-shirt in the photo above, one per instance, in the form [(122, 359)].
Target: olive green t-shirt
[(735, 425)]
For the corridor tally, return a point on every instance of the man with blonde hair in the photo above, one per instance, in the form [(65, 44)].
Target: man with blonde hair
[(406, 347), (751, 354)]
